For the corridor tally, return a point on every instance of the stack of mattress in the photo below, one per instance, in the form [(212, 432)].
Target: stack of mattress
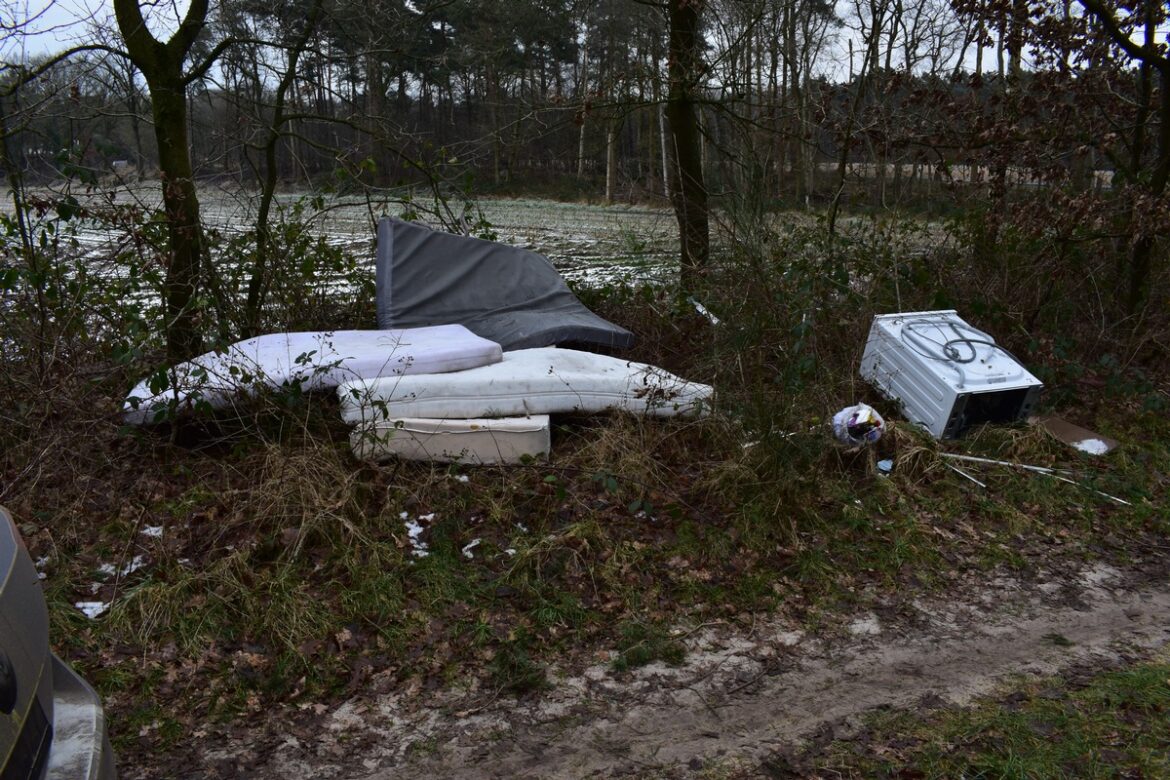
[(437, 393), (498, 413)]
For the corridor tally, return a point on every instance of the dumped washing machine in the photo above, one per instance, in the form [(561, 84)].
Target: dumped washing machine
[(946, 375)]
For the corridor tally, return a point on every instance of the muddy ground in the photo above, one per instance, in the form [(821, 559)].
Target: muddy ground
[(746, 697)]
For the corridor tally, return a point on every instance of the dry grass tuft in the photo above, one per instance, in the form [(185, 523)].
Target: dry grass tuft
[(310, 493), (917, 451)]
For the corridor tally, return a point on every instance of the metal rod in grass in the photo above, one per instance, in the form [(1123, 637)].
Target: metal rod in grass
[(1014, 464), (965, 475), (1054, 473)]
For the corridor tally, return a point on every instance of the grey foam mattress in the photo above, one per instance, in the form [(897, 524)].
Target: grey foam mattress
[(512, 296)]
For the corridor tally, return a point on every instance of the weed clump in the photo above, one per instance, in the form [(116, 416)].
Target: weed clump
[(640, 644), (513, 670)]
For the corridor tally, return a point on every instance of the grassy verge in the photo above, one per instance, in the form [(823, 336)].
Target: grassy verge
[(285, 574), (1085, 725)]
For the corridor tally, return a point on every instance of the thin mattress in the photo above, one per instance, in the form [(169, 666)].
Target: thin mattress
[(475, 442), (313, 360), (510, 295), (546, 380)]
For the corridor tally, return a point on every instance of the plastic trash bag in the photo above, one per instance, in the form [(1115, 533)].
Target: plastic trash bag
[(858, 426)]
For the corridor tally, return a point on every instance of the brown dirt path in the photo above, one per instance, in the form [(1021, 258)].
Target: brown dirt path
[(741, 697)]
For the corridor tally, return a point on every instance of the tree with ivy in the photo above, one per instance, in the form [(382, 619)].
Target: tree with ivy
[(164, 65)]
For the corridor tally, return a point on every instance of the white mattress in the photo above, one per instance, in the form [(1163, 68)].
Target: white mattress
[(478, 442), (321, 359), (528, 381)]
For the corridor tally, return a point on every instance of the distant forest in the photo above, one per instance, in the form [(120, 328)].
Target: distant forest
[(798, 101)]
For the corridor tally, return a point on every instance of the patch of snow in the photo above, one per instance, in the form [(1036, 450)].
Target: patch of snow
[(109, 570), (1092, 446), (153, 531), (418, 547), (462, 478), (92, 609), (467, 548), (511, 551)]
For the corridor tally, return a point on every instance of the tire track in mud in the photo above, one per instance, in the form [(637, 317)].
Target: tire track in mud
[(745, 698)]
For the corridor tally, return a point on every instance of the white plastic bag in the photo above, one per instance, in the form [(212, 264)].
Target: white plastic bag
[(858, 426)]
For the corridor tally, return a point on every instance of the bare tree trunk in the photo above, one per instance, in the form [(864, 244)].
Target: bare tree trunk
[(161, 65), (664, 141), (184, 225), (999, 51), (257, 285), (1011, 41), (979, 35), (845, 142), (776, 173), (611, 158), (493, 87), (583, 116), (581, 150), (688, 190), (795, 96), (32, 258), (135, 119), (1141, 256)]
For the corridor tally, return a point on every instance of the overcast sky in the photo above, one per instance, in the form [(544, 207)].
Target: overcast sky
[(48, 26), (29, 28)]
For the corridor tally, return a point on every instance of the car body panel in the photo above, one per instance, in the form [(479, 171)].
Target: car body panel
[(81, 747), (52, 725), (24, 632)]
